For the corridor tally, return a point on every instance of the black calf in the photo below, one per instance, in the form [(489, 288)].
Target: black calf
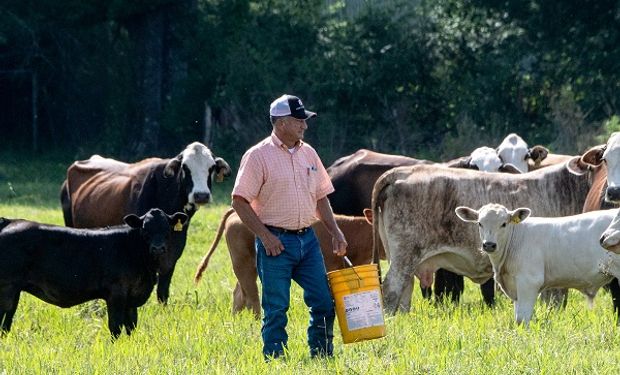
[(67, 266)]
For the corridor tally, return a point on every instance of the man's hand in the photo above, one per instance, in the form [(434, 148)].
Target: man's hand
[(339, 244), (273, 246)]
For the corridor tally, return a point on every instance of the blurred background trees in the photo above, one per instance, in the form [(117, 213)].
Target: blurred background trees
[(427, 78)]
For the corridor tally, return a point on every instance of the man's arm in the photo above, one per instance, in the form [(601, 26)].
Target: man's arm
[(272, 244), (325, 213)]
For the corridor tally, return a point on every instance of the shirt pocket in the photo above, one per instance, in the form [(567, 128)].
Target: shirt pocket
[(311, 180)]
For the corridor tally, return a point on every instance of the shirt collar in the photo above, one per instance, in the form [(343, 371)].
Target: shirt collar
[(276, 141)]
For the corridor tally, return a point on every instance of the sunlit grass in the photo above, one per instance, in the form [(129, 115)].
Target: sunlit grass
[(197, 334)]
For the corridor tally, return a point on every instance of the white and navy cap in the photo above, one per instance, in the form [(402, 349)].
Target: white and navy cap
[(289, 105)]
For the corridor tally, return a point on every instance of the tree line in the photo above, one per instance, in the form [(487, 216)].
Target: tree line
[(430, 78)]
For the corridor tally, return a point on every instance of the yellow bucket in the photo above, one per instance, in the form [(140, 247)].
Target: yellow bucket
[(359, 303)]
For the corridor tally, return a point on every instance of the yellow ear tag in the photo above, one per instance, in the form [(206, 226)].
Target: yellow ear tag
[(516, 220), (178, 226)]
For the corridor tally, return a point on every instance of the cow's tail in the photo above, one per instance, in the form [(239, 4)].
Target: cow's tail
[(377, 203), (205, 260)]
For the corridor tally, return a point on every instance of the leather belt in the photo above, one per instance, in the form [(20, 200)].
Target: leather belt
[(289, 231)]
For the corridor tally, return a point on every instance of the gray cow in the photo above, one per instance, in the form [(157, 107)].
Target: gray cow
[(414, 216)]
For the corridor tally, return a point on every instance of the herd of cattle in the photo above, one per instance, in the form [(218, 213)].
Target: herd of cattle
[(415, 213)]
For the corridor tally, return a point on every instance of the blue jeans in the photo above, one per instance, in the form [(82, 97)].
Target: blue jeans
[(301, 261)]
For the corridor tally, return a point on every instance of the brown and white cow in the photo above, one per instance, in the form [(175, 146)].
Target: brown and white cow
[(99, 192), (240, 241), (413, 217)]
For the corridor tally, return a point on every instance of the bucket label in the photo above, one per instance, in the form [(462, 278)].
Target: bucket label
[(363, 310)]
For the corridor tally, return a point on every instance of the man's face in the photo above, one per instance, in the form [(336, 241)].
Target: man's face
[(294, 128)]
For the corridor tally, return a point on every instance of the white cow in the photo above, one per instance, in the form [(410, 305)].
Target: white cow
[(513, 150), (542, 252)]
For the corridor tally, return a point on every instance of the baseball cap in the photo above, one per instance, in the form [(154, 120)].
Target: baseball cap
[(290, 105)]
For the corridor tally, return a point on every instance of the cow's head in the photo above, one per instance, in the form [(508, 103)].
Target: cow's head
[(487, 159), (156, 226), (513, 150), (494, 222), (609, 154), (484, 159), (195, 167)]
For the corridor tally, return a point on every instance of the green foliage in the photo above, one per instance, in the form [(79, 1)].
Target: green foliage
[(610, 126), (408, 77)]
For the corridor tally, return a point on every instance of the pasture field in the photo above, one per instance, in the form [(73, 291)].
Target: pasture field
[(196, 333)]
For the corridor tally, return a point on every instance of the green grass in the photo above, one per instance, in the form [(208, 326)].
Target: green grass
[(197, 334)]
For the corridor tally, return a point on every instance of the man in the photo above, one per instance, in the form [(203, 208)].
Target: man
[(281, 188)]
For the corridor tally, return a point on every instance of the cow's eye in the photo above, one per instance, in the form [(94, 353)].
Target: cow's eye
[(504, 225), (480, 225)]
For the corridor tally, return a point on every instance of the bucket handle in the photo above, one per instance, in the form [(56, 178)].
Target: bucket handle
[(348, 262)]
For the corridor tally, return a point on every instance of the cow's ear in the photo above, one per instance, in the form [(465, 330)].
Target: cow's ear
[(467, 214), (463, 162), (537, 154), (594, 155), (172, 167), (133, 221), (519, 215), (577, 167), (222, 169), (368, 215), (178, 218), (509, 168)]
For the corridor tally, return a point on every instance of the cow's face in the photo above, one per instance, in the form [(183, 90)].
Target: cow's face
[(197, 166), (513, 150), (494, 222), (611, 156), (156, 226), (486, 159)]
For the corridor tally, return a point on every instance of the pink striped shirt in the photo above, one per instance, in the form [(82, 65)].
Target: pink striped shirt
[(282, 187)]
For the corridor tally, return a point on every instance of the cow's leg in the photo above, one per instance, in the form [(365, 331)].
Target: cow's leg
[(238, 299), (527, 293), (448, 284), (405, 299), (131, 319), (245, 270), (487, 290), (116, 316), (65, 203), (614, 290), (397, 280), (9, 299), (427, 293), (163, 286)]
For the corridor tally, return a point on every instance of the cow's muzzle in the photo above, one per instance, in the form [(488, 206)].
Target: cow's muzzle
[(202, 198), (489, 247), (612, 194), (158, 249)]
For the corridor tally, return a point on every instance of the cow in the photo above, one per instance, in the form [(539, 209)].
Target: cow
[(68, 266), (240, 241), (513, 150), (99, 192), (353, 177), (603, 162), (531, 254), (413, 217)]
